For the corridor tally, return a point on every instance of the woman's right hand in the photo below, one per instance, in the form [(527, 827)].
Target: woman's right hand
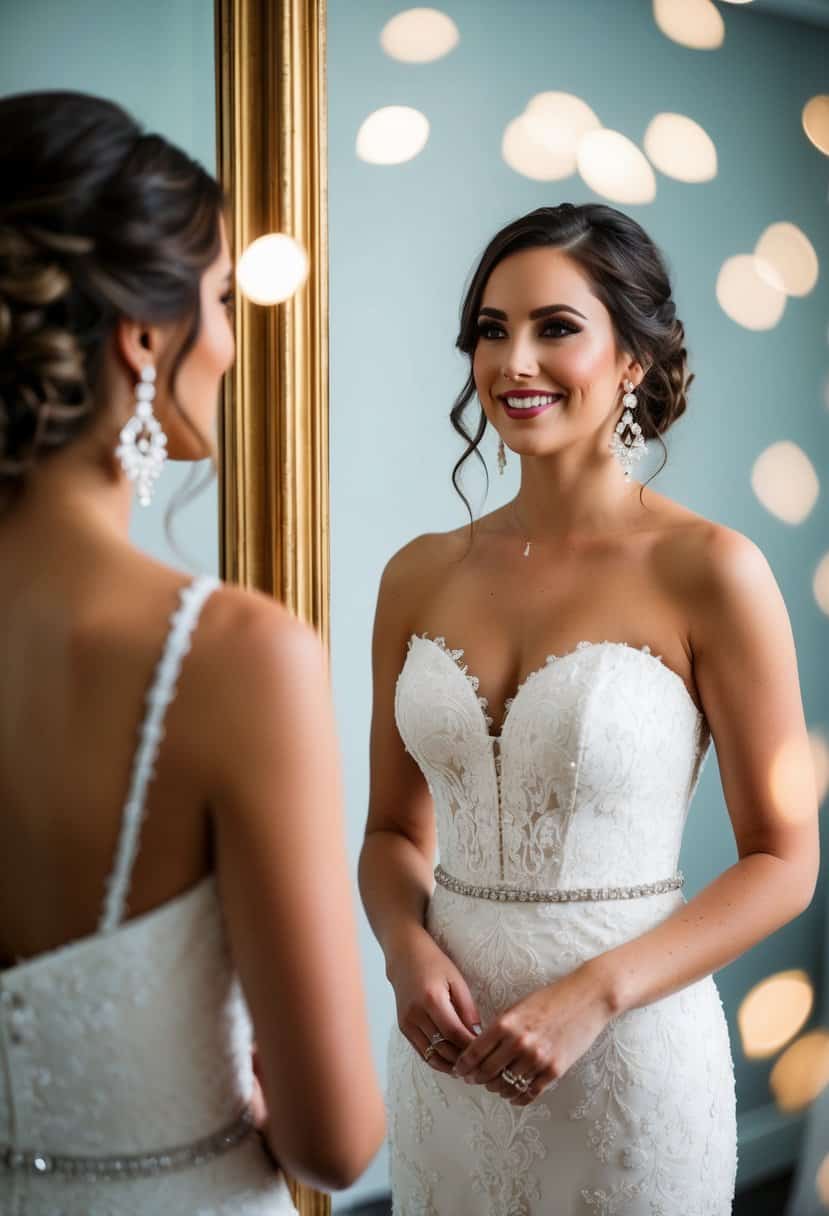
[(432, 998)]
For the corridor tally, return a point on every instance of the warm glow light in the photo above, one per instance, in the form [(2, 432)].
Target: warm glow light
[(773, 1012), (272, 268), (693, 23), (815, 120), (791, 255), (747, 297), (822, 1181), (820, 759), (613, 166), (784, 480), (820, 584), (792, 780), (681, 148), (542, 142), (392, 135), (802, 1071), (419, 35)]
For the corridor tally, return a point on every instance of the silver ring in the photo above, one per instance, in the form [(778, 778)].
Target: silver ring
[(436, 1038), (515, 1079)]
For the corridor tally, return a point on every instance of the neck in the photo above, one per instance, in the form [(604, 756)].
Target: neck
[(566, 499)]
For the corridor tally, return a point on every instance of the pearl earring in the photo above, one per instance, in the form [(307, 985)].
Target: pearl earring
[(632, 447), (142, 449)]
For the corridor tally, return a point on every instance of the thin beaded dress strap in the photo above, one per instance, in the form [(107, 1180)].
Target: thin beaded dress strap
[(161, 693)]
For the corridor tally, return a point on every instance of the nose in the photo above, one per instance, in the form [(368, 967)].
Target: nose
[(520, 360)]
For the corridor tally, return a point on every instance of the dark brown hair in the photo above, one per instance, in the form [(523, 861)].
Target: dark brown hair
[(628, 275), (98, 220)]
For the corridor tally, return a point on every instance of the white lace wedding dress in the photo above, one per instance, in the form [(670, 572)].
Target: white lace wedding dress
[(586, 790), (125, 1058)]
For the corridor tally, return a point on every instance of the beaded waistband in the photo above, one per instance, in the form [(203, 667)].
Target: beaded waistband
[(556, 895), (133, 1165)]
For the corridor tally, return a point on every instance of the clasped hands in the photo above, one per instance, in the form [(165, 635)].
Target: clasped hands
[(523, 1051)]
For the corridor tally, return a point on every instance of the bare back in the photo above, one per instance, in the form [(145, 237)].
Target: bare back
[(80, 647)]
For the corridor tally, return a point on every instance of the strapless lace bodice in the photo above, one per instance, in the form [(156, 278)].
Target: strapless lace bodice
[(601, 744)]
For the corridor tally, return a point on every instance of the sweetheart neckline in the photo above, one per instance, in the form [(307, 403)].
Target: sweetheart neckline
[(89, 939), (453, 654)]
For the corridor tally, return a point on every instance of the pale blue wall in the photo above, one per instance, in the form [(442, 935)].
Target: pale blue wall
[(156, 59), (405, 238)]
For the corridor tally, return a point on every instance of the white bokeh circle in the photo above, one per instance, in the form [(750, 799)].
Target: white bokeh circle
[(785, 482), (613, 166), (272, 268), (419, 35), (392, 135), (681, 148)]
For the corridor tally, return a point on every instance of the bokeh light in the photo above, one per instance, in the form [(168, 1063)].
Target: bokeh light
[(785, 482), (272, 268), (820, 759), (822, 1181), (747, 297), (815, 120), (773, 1012), (693, 23), (542, 143), (802, 1072), (419, 35), (791, 255), (613, 166), (820, 584), (392, 135), (681, 148)]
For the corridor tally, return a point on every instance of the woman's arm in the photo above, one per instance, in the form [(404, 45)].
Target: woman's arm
[(746, 672), (398, 853), (286, 894)]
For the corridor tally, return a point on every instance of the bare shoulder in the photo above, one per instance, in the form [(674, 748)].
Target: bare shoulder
[(715, 574), (250, 640), (421, 564)]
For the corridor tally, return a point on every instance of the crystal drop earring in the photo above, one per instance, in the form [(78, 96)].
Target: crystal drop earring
[(502, 457), (628, 448), (142, 447)]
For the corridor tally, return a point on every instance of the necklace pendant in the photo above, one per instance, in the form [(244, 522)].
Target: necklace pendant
[(527, 549)]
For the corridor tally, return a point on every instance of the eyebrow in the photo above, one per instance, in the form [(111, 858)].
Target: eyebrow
[(546, 311)]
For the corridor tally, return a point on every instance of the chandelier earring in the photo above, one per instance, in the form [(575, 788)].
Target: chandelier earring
[(502, 457), (142, 447), (628, 444)]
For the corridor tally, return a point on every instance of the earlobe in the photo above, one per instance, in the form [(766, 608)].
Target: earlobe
[(132, 342)]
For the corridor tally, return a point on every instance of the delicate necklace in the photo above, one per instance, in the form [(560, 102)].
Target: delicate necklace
[(521, 529)]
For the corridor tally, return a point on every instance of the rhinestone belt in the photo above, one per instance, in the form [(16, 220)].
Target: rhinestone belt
[(135, 1165), (557, 895)]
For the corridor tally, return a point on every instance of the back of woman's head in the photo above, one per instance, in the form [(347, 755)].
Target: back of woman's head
[(98, 221)]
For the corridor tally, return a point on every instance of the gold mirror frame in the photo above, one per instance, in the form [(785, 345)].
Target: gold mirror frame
[(273, 430)]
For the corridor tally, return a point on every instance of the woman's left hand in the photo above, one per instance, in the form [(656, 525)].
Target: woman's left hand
[(539, 1038)]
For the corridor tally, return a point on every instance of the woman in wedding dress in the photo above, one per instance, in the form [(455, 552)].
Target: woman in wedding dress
[(546, 688), (172, 853)]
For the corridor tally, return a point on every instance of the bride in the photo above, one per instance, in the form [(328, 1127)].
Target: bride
[(171, 834), (546, 687)]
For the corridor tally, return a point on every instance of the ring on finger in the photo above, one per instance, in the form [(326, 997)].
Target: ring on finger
[(522, 1084), (436, 1038)]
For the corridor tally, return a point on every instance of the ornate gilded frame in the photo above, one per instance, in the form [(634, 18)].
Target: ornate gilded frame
[(273, 430)]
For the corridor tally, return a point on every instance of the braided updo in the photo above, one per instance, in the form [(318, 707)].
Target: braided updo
[(97, 221), (627, 274)]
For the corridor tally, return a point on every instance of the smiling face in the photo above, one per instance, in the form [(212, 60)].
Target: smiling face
[(546, 365)]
